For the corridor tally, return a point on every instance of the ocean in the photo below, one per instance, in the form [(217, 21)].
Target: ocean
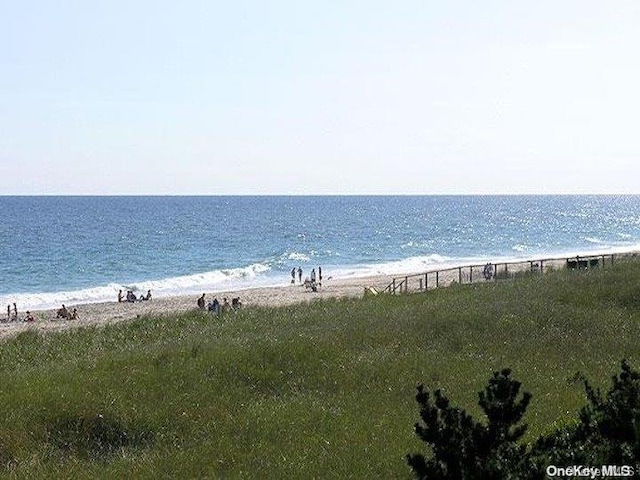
[(56, 249)]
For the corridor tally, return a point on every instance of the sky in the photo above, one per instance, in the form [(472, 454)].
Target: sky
[(339, 97)]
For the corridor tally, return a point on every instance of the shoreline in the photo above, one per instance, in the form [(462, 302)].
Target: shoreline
[(103, 313), (90, 314), (47, 298)]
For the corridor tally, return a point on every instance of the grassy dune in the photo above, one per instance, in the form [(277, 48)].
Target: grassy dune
[(325, 390)]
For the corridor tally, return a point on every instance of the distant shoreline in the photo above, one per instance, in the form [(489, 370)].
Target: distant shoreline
[(236, 283), (91, 314)]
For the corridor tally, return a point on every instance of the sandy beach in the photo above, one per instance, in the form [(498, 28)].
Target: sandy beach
[(111, 312)]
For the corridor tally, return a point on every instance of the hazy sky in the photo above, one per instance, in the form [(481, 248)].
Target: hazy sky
[(274, 97)]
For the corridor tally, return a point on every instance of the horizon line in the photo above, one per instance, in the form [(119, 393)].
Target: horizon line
[(437, 194)]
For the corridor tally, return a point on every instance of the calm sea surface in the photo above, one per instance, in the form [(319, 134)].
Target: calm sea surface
[(83, 249)]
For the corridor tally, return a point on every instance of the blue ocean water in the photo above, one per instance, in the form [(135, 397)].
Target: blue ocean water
[(69, 250)]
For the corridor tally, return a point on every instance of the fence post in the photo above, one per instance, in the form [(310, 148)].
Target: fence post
[(459, 274), (437, 279), (426, 284), (471, 274), (406, 284), (394, 286)]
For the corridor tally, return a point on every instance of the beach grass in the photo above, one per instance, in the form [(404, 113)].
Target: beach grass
[(321, 390)]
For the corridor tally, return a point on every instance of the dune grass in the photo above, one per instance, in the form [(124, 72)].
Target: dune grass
[(324, 390)]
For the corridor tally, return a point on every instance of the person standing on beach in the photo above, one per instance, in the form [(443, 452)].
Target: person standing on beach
[(293, 275), (488, 271), (300, 274), (15, 312), (214, 307), (8, 313), (320, 276), (313, 275), (201, 302)]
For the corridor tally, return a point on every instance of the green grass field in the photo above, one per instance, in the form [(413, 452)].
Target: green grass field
[(323, 390)]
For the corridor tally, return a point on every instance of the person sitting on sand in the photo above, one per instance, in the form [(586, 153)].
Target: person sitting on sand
[(200, 302), (225, 304), (29, 317), (63, 313), (74, 314), (148, 297), (310, 284), (131, 297), (120, 296), (236, 303)]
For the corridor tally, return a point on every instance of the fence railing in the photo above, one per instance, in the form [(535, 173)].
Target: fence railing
[(492, 272)]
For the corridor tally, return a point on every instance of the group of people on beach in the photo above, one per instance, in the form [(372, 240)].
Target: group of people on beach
[(310, 282), (12, 315), (215, 307), (65, 314), (132, 297)]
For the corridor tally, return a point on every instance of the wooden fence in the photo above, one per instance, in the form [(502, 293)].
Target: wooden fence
[(492, 272)]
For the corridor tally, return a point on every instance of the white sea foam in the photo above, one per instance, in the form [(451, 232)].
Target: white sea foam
[(262, 275), (407, 265), (593, 240), (41, 301), (438, 262), (615, 248), (205, 280), (233, 278), (299, 257)]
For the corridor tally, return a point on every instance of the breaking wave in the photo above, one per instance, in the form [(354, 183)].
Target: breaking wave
[(275, 272), (232, 278)]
